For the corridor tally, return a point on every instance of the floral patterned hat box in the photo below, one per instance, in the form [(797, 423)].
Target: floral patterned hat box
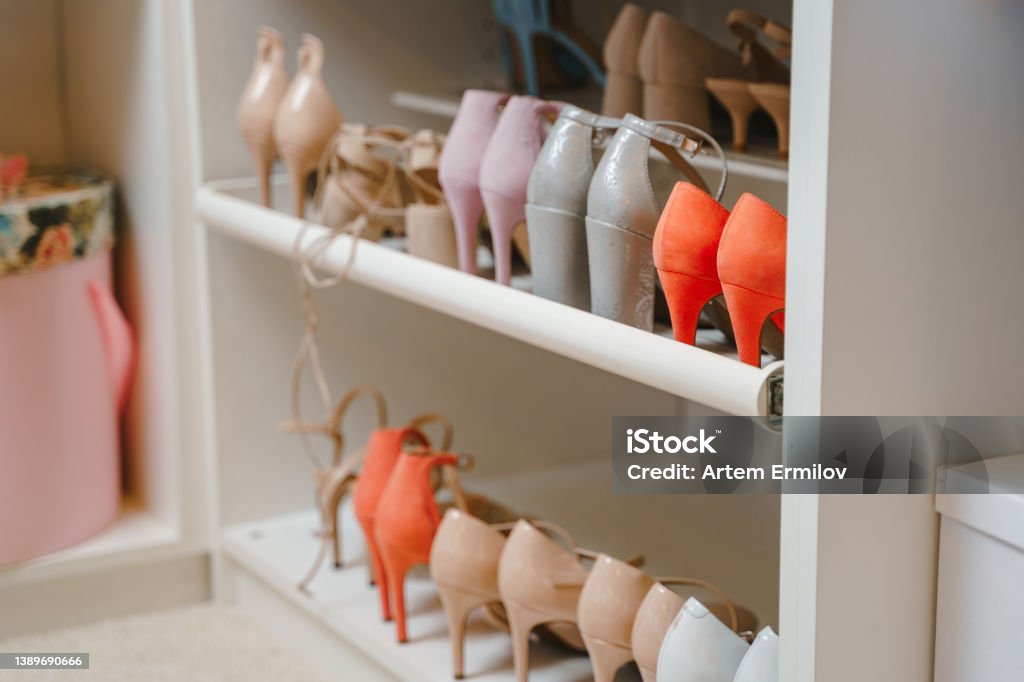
[(66, 354)]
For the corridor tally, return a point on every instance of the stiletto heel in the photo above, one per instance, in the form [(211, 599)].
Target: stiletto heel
[(260, 100), (504, 216), (606, 659), (459, 167), (752, 267), (305, 120), (521, 622), (505, 172), (466, 206), (458, 604)]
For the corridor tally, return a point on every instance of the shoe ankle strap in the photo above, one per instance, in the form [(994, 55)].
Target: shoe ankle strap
[(588, 118), (710, 587), (657, 131), (676, 141)]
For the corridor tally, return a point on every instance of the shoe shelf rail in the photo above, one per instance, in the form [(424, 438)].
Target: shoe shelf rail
[(697, 374)]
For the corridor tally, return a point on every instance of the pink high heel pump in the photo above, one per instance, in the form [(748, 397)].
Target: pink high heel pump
[(505, 172), (459, 167)]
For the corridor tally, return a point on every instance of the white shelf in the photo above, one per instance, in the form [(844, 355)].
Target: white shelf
[(761, 163), (698, 374), (277, 552), (135, 530)]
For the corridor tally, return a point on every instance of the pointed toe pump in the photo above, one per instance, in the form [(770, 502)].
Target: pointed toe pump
[(540, 582), (752, 268), (428, 222), (505, 173), (622, 213), (659, 609), (459, 168), (623, 91), (306, 119), (336, 479), (556, 206), (674, 60), (464, 566), (699, 648), (761, 662), (260, 100), (382, 454), (608, 604)]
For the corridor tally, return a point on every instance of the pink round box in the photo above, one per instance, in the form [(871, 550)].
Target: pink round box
[(66, 355)]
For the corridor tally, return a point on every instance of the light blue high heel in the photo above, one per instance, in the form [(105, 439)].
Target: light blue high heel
[(525, 18)]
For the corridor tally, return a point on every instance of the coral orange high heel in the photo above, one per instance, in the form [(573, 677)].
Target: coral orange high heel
[(686, 255), (335, 480), (408, 517), (752, 267), (382, 453)]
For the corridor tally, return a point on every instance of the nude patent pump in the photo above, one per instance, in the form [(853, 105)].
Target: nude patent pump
[(699, 648), (306, 120), (659, 609), (336, 479), (258, 108)]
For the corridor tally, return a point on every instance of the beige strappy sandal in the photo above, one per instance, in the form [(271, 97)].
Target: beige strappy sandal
[(428, 221), (334, 480)]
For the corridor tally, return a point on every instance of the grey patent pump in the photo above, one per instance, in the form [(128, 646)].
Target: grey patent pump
[(623, 207), (557, 206)]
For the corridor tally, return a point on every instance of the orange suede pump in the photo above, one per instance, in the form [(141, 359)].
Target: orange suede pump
[(686, 255), (752, 268)]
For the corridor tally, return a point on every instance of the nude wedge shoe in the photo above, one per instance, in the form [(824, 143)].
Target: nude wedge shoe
[(428, 221), (761, 662), (622, 213), (556, 206), (660, 607), (260, 100), (623, 90), (699, 648), (305, 120), (674, 60)]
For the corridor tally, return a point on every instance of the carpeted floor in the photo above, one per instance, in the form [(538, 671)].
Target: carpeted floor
[(204, 643)]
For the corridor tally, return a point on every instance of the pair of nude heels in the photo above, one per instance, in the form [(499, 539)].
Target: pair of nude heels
[(591, 224), (742, 97), (703, 252), (485, 166), (662, 67), (293, 121), (698, 647)]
